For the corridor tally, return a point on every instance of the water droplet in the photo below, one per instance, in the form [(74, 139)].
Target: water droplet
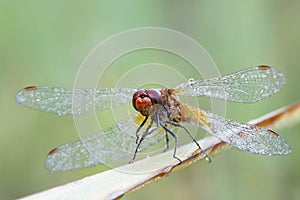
[(208, 159), (191, 80)]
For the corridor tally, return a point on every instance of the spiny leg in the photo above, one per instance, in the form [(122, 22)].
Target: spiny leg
[(167, 141), (139, 128), (147, 132), (207, 157), (176, 141), (166, 132)]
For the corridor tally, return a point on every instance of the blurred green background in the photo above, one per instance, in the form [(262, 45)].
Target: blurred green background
[(45, 42)]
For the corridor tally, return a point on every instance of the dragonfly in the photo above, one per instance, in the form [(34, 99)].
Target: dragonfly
[(159, 112)]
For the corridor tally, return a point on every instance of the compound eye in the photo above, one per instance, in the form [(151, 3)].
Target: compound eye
[(155, 96), (142, 102)]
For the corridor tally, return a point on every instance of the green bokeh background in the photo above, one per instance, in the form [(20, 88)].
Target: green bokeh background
[(44, 43)]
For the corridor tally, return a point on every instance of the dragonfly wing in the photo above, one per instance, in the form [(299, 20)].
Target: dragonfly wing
[(65, 101), (243, 136), (113, 144), (247, 86)]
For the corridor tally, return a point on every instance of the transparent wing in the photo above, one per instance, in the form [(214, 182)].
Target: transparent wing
[(65, 101), (113, 144), (247, 86), (243, 136)]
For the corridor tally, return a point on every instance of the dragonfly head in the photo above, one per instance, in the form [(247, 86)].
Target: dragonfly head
[(144, 101)]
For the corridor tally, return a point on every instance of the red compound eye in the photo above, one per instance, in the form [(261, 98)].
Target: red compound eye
[(143, 100)]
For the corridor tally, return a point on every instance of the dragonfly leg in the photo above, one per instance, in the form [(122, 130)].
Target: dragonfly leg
[(207, 157), (167, 141), (139, 142), (166, 132), (176, 141), (139, 128), (137, 148)]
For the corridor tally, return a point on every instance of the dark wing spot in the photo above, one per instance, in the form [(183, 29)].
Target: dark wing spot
[(30, 88), (53, 151), (263, 67), (272, 133)]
